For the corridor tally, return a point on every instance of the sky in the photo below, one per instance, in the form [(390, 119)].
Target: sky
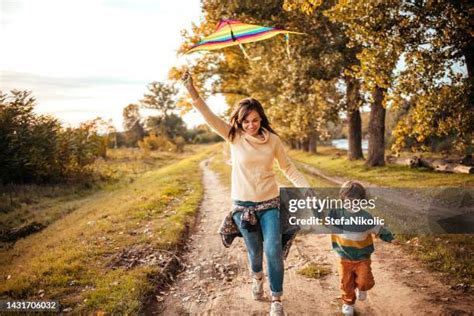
[(88, 58)]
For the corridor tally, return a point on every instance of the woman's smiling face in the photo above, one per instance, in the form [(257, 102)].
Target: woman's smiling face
[(251, 123)]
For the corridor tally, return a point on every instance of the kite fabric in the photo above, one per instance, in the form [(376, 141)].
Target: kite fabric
[(233, 32)]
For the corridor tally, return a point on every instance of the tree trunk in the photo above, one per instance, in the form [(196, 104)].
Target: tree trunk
[(355, 135), (305, 144), (313, 143), (293, 144), (377, 130), (353, 119), (469, 57), (299, 145)]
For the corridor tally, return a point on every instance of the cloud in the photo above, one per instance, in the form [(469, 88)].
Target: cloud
[(21, 79)]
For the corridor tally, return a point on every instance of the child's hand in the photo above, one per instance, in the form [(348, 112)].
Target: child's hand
[(395, 242)]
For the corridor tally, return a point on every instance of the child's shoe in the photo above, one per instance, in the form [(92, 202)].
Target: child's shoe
[(361, 295), (348, 310)]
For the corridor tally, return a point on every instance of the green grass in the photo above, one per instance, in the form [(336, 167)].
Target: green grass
[(221, 164), (313, 270), (45, 204), (71, 260), (334, 162), (451, 254)]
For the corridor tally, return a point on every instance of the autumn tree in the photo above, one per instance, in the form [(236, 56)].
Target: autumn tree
[(132, 124), (433, 38), (131, 114), (343, 54), (439, 45), (284, 85), (160, 96)]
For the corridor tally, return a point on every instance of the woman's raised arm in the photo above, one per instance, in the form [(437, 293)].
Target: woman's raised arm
[(220, 126)]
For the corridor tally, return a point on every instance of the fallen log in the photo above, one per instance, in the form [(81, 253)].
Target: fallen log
[(443, 166), (440, 165), (455, 168), (16, 233), (411, 162)]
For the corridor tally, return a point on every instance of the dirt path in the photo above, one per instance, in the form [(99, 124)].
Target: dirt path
[(216, 280)]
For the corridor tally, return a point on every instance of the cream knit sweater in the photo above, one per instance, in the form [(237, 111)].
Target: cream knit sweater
[(252, 160)]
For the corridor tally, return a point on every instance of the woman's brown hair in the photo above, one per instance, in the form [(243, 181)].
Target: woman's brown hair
[(242, 109)]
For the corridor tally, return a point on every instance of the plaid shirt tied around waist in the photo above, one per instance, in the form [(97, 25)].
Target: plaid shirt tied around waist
[(229, 229)]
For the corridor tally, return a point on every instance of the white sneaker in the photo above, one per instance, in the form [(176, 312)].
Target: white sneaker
[(257, 289), (276, 309), (348, 309), (361, 295)]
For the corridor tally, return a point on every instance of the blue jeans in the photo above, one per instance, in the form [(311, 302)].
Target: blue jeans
[(267, 240)]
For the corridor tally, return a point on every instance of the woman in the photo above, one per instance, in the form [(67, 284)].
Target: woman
[(254, 147)]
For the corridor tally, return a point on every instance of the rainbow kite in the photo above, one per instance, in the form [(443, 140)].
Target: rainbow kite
[(233, 32)]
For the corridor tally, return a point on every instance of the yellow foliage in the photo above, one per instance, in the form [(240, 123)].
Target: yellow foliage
[(155, 142)]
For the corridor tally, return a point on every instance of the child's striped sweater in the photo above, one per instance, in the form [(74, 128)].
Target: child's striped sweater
[(355, 242)]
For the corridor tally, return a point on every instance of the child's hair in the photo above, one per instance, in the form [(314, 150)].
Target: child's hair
[(352, 190)]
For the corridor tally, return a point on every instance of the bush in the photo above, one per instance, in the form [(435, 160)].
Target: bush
[(35, 148), (156, 142)]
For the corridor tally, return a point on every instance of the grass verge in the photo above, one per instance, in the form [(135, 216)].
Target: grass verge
[(44, 204), (106, 254), (334, 162)]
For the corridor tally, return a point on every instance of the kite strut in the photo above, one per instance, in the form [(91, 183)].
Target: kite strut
[(241, 46)]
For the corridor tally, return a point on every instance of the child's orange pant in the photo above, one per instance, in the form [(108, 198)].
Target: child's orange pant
[(354, 274)]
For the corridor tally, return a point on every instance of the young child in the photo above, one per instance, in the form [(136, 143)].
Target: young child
[(354, 245)]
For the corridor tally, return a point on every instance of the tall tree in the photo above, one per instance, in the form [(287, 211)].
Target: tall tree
[(345, 54), (161, 97), (131, 114), (374, 27), (134, 130), (439, 44)]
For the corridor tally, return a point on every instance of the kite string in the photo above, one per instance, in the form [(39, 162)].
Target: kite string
[(287, 40), (246, 55)]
